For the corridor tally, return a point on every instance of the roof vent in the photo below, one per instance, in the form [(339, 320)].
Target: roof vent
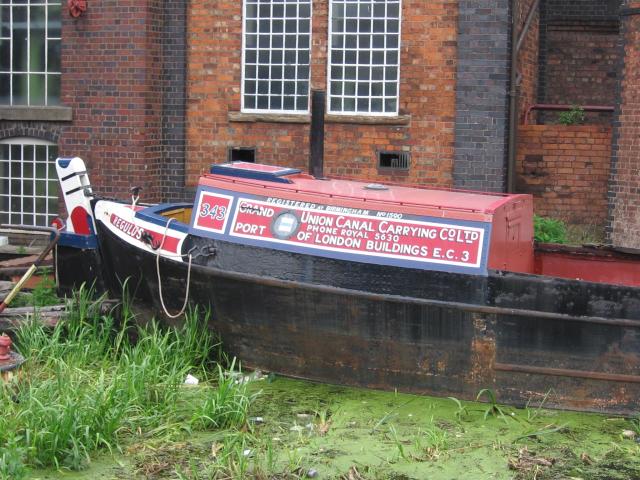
[(376, 186)]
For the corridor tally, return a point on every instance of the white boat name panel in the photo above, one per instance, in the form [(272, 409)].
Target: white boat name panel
[(354, 234), (136, 232)]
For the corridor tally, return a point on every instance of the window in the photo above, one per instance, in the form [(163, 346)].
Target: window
[(364, 58), (30, 52), (28, 181), (276, 56)]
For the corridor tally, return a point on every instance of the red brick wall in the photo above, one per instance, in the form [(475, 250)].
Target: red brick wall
[(111, 69), (566, 169), (427, 73), (214, 41), (624, 228)]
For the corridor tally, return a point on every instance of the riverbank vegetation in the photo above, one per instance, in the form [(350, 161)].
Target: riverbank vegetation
[(106, 398), (91, 384)]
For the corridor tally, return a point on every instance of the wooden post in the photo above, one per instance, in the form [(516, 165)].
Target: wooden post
[(316, 135)]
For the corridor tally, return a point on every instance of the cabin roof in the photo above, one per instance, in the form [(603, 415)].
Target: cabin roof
[(291, 180)]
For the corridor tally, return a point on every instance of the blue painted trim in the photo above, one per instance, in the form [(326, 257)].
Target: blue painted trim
[(154, 215), (64, 161), (277, 177), (76, 240), (363, 258)]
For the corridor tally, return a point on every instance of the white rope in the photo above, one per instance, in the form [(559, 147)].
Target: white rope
[(186, 296)]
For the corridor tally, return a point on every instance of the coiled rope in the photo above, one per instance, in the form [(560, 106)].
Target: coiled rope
[(186, 296)]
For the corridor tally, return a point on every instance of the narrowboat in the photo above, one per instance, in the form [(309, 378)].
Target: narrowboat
[(429, 291)]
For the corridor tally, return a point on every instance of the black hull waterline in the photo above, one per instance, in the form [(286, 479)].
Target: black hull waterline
[(526, 337)]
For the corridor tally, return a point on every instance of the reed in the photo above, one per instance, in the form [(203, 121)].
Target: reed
[(91, 385)]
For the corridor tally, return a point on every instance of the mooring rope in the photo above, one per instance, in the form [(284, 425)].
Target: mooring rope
[(186, 296)]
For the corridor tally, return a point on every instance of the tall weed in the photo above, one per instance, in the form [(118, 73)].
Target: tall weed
[(90, 384)]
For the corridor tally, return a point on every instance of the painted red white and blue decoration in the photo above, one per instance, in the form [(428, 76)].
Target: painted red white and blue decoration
[(357, 234)]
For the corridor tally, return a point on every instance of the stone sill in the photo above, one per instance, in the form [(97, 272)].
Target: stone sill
[(40, 114), (400, 120), (269, 117)]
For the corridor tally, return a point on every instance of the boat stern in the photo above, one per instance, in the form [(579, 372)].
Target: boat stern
[(77, 255)]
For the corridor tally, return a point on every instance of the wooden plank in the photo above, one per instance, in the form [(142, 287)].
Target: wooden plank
[(13, 317)]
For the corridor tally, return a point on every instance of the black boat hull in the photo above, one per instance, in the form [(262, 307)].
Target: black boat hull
[(415, 331)]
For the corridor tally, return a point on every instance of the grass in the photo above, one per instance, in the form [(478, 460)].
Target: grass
[(93, 384), (42, 295), (556, 230), (549, 230), (492, 409)]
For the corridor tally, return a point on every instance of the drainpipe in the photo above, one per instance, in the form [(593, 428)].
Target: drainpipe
[(516, 43), (513, 100)]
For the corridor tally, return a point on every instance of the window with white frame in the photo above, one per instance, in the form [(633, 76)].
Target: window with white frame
[(276, 56), (364, 57), (30, 52), (28, 181)]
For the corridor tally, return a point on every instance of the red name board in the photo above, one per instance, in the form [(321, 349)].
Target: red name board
[(359, 232)]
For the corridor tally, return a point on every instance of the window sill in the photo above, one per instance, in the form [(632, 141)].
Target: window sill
[(269, 117), (399, 120), (41, 114)]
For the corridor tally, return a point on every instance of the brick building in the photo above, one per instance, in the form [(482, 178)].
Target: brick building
[(151, 93)]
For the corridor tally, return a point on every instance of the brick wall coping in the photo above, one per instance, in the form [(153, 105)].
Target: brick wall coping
[(566, 128), (306, 118), (39, 113)]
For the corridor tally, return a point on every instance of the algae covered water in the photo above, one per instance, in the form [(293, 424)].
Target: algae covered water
[(299, 429)]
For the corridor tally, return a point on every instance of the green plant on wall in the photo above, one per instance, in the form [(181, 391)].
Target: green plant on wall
[(575, 116), (549, 230)]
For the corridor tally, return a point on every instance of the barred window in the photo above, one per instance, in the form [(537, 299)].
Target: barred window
[(30, 52), (28, 181), (364, 56), (276, 56)]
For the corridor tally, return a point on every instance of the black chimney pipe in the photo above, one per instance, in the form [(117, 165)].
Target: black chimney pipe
[(316, 134)]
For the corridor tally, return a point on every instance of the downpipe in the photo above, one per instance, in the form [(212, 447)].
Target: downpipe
[(516, 43)]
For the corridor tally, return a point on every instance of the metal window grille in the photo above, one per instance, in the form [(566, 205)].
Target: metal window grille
[(28, 182), (394, 160), (276, 54), (364, 57), (30, 52)]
